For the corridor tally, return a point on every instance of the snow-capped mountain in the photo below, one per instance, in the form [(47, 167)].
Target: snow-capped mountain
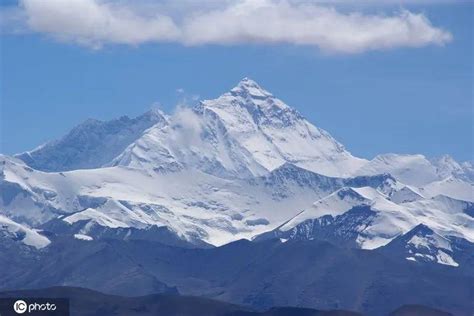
[(447, 167), (369, 219), (425, 245), (410, 169), (418, 170), (452, 186), (193, 204), (245, 132), (92, 143), (239, 166)]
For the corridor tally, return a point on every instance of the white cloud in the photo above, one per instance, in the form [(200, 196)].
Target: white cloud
[(187, 126), (309, 24), (99, 22), (94, 23)]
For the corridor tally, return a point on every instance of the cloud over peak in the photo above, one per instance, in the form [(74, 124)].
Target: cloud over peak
[(99, 22)]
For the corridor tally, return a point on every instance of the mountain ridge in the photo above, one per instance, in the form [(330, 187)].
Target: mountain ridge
[(228, 168), (265, 109), (91, 144)]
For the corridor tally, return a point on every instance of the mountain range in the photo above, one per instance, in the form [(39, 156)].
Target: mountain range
[(242, 166)]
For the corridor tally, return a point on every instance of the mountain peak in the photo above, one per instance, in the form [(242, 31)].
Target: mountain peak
[(246, 81), (248, 87), (154, 114)]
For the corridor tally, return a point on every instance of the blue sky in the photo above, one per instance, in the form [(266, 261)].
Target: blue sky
[(398, 99)]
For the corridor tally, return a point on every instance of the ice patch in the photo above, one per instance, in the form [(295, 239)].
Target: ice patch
[(83, 237), (443, 258)]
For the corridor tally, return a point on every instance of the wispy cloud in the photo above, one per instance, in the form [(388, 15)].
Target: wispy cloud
[(99, 22)]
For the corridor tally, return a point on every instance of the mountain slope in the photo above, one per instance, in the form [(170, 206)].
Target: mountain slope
[(448, 167), (12, 231), (91, 144), (244, 132), (367, 218), (452, 186), (194, 205), (258, 274), (418, 170), (425, 245)]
